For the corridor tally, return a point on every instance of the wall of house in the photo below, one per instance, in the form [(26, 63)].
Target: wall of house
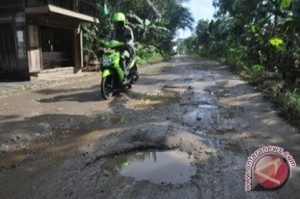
[(34, 48), (13, 41), (22, 39), (78, 49), (57, 47)]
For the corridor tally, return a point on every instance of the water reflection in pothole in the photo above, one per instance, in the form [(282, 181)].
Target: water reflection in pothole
[(207, 106), (154, 101), (155, 166)]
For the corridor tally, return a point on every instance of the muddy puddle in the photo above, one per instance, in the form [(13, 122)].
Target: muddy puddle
[(175, 89), (12, 159), (209, 114), (204, 111), (207, 106), (154, 101), (171, 166)]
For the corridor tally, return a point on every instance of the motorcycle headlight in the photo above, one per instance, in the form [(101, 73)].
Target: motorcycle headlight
[(106, 61)]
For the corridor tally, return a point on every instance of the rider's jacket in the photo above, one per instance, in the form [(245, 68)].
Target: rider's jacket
[(125, 35)]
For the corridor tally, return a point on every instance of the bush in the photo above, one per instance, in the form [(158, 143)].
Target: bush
[(291, 106), (147, 53)]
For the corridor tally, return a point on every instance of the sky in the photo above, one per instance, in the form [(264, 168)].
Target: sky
[(200, 9)]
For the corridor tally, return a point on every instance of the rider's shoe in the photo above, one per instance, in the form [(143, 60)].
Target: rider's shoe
[(125, 81)]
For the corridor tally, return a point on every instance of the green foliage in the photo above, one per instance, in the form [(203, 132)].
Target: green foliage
[(277, 43), (91, 42), (260, 38), (292, 99), (154, 24), (267, 35), (290, 106), (284, 4), (147, 53), (148, 31), (235, 56), (189, 45), (258, 69)]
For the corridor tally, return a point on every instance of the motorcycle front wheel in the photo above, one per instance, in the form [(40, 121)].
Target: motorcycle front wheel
[(107, 87)]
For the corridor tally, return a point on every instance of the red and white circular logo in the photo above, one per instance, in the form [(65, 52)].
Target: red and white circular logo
[(271, 171)]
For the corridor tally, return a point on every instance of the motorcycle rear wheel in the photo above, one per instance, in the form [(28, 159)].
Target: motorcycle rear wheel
[(107, 87)]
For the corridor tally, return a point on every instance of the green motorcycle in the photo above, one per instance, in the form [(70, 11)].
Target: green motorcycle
[(113, 76)]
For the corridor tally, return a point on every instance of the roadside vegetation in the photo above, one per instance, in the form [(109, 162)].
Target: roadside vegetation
[(259, 39), (154, 24)]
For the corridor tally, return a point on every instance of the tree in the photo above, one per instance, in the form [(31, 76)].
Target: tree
[(154, 23), (255, 32)]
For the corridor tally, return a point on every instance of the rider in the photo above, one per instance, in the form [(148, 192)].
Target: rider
[(123, 33)]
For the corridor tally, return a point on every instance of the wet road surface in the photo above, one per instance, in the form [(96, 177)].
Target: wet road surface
[(191, 115)]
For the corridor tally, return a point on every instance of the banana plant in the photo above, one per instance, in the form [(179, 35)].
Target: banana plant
[(146, 29)]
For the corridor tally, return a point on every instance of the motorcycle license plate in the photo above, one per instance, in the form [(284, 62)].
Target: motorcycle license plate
[(106, 62)]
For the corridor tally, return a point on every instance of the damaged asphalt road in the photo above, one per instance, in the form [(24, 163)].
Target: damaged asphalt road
[(190, 117)]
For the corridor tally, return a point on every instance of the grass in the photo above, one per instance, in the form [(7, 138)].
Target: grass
[(291, 107), (152, 59), (286, 101)]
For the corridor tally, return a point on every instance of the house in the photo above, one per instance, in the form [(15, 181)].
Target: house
[(37, 35)]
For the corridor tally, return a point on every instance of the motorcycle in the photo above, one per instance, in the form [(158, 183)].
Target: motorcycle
[(113, 75)]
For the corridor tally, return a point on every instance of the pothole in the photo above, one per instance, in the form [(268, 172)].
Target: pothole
[(231, 146), (176, 89), (207, 106), (200, 67), (12, 159), (154, 101), (205, 111), (171, 166)]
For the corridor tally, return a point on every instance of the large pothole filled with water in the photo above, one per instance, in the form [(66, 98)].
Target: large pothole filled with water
[(154, 101), (170, 166)]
